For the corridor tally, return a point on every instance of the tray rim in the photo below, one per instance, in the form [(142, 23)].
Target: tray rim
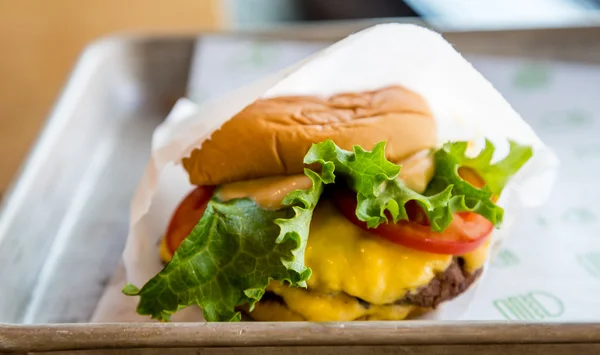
[(52, 337)]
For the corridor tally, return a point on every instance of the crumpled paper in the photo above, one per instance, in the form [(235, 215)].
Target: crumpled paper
[(465, 106)]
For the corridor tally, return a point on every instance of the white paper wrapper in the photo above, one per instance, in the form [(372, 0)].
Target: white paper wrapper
[(465, 105)]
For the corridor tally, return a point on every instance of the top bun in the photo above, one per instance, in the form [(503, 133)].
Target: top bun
[(271, 136)]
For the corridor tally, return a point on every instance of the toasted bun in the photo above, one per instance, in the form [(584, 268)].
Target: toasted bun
[(271, 136)]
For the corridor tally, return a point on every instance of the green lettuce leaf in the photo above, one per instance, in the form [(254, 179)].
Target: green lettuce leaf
[(231, 255), (495, 175), (364, 171), (466, 197), (381, 194)]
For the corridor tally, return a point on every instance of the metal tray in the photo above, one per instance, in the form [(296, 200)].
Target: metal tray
[(64, 223)]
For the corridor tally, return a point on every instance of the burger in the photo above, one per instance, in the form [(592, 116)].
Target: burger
[(330, 209)]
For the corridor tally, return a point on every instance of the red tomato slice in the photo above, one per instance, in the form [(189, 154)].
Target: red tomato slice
[(187, 215), (466, 232)]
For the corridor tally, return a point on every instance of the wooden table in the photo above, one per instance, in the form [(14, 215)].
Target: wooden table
[(41, 39)]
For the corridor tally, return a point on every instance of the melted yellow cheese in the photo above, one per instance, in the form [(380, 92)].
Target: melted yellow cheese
[(164, 251), (272, 311), (477, 258), (344, 258), (319, 307)]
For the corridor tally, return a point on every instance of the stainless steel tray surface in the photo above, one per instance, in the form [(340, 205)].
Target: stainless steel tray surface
[(64, 223)]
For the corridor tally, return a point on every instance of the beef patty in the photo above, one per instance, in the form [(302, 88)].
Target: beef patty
[(445, 286)]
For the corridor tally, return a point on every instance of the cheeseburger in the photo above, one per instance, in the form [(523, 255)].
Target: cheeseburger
[(329, 209)]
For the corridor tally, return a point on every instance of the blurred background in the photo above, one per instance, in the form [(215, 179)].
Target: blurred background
[(40, 40)]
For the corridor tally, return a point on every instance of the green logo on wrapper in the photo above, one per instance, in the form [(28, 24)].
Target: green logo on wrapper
[(588, 151), (505, 258), (564, 120), (541, 221), (536, 305), (532, 76), (579, 216), (257, 54), (590, 262)]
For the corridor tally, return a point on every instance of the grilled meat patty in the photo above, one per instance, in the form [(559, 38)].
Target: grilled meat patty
[(454, 281), (445, 286)]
